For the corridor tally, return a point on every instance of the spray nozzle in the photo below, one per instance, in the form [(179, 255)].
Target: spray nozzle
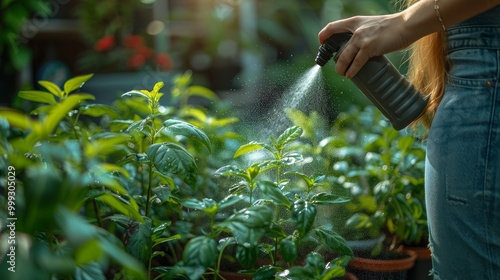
[(331, 45)]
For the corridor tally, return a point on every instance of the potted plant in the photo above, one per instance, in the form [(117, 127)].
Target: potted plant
[(387, 180), (383, 172)]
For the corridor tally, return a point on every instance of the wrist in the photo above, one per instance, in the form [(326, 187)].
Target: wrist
[(420, 20)]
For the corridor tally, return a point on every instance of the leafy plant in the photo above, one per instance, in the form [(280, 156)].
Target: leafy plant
[(102, 200), (59, 172), (273, 221), (383, 169)]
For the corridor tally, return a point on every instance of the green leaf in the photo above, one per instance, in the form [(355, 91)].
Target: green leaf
[(200, 251), (333, 241), (202, 91), (52, 88), (135, 93), (140, 126), (232, 170), (76, 83), (138, 240), (265, 272), (170, 158), (56, 114), (289, 135), (405, 143), (17, 119), (304, 214), (162, 240), (192, 203), (248, 225), (88, 252), (315, 261), (129, 209), (105, 145), (288, 249), (177, 127), (246, 255), (323, 198), (110, 182), (162, 192), (268, 164), (38, 96), (248, 148), (90, 271), (358, 221), (99, 110), (254, 216), (309, 181), (291, 158), (75, 228), (229, 200), (273, 192), (332, 272)]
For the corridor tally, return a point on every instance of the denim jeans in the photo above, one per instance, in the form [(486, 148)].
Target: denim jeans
[(463, 156)]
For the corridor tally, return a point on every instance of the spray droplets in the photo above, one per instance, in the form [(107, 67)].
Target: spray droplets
[(305, 94)]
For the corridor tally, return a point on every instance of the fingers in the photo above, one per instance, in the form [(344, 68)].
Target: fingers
[(350, 62), (331, 28), (351, 59)]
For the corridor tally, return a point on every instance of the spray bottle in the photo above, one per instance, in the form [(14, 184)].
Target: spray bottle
[(381, 82)]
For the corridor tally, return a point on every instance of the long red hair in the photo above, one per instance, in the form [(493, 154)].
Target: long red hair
[(427, 70)]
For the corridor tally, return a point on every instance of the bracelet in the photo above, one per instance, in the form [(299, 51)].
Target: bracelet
[(438, 14)]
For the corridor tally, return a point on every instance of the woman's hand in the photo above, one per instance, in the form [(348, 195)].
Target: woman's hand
[(378, 35), (372, 36)]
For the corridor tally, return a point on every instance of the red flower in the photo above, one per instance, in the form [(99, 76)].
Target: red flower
[(164, 61), (145, 51), (133, 41), (105, 43), (136, 61)]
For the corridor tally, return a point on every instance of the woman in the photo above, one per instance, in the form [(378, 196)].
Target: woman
[(455, 61)]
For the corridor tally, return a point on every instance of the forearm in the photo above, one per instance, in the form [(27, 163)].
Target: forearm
[(420, 19)]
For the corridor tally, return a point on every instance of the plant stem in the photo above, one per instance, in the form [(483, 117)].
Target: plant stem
[(150, 184), (150, 177), (219, 259), (96, 211)]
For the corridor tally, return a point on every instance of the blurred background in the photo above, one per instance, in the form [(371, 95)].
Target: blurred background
[(247, 51)]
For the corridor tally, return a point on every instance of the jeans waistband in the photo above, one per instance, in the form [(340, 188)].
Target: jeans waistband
[(474, 36)]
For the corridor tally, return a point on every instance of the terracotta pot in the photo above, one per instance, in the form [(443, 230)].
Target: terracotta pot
[(350, 276), (382, 269)]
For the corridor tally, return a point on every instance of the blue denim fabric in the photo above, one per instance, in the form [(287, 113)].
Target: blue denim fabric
[(463, 156)]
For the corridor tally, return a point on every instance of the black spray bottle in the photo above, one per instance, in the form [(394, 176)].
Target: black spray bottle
[(381, 82)]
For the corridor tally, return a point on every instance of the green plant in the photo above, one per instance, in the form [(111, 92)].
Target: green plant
[(272, 228), (59, 172), (384, 169), (380, 168), (97, 186)]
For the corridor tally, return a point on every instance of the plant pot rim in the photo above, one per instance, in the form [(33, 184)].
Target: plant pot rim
[(385, 265), (423, 253)]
